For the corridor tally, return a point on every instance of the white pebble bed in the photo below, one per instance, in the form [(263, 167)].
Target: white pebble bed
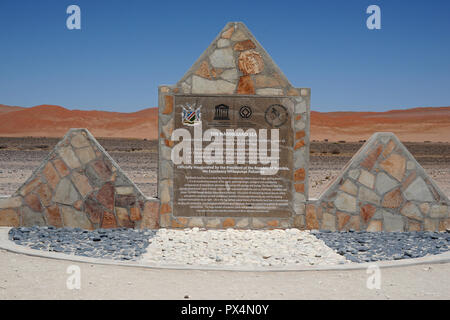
[(257, 248)]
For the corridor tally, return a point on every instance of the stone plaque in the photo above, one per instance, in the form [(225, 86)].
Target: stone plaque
[(232, 156), (233, 141)]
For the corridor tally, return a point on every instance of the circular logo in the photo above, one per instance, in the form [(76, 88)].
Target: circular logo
[(245, 112), (276, 115)]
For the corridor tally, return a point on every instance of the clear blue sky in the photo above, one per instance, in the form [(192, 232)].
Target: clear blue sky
[(125, 49)]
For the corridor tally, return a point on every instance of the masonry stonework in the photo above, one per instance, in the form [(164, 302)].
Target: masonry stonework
[(236, 66), (79, 185), (382, 188)]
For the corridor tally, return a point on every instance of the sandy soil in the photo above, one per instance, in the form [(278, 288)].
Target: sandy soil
[(138, 158), (25, 277)]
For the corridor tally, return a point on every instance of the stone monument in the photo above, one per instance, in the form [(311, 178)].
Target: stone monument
[(233, 152), (234, 140)]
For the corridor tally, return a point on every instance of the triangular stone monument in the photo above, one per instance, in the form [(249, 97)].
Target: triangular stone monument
[(79, 185), (382, 188)]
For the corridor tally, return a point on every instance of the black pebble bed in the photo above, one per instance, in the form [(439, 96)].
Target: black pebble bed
[(117, 244), (377, 246)]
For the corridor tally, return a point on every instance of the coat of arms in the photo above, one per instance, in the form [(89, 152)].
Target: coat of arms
[(191, 116)]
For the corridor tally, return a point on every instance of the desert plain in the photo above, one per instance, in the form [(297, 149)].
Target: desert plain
[(27, 135), (138, 158)]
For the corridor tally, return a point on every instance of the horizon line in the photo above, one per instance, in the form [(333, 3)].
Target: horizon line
[(146, 108)]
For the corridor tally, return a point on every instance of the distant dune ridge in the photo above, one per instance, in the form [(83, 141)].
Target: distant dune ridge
[(417, 124), (414, 125), (54, 121)]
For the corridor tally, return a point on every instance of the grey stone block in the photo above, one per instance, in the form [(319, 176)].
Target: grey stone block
[(384, 183), (66, 192), (345, 202), (31, 218), (393, 222), (418, 191)]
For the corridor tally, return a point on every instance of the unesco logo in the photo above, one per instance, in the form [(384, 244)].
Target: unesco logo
[(245, 112), (221, 112)]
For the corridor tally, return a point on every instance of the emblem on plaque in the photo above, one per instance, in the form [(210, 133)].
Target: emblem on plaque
[(245, 112), (221, 112), (276, 115), (190, 115)]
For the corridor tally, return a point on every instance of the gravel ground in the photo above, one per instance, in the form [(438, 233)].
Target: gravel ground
[(117, 244), (262, 248), (377, 246)]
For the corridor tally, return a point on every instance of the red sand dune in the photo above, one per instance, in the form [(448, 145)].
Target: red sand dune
[(418, 124), (6, 109), (54, 121)]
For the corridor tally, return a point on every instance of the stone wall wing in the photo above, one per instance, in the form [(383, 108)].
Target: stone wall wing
[(382, 188), (79, 185)]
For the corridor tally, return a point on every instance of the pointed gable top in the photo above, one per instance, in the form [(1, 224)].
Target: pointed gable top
[(236, 63)]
